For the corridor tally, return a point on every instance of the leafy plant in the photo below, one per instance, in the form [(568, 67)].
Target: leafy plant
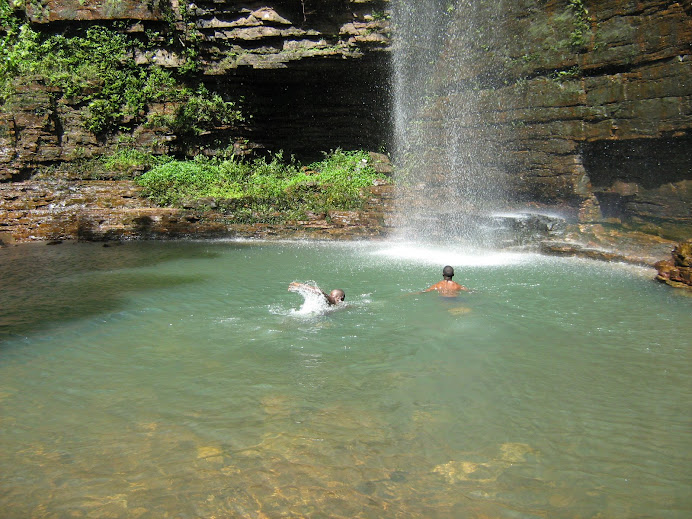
[(129, 159), (581, 23), (203, 111), (264, 190), (95, 66), (17, 46), (567, 74)]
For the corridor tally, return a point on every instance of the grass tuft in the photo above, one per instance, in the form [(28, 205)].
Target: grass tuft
[(264, 190)]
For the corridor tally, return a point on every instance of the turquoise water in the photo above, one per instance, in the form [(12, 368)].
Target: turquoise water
[(182, 379)]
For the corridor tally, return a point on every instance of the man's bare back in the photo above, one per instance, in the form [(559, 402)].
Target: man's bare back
[(447, 287)]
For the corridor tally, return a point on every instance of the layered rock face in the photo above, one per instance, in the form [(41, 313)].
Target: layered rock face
[(581, 104), (112, 210), (677, 271), (313, 77), (586, 105)]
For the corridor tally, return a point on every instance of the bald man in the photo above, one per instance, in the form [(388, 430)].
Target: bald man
[(447, 287)]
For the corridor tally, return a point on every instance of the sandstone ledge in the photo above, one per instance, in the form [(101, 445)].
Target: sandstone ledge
[(101, 210), (677, 271), (604, 243), (93, 210)]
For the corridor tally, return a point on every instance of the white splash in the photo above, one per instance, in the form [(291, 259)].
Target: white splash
[(436, 255), (314, 302)]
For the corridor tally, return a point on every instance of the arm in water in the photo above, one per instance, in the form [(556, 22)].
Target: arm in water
[(336, 296)]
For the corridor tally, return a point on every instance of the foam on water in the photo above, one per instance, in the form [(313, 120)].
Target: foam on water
[(314, 303), (455, 256)]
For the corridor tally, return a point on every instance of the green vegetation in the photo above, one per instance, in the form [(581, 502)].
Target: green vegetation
[(261, 190), (567, 74), (126, 161), (97, 67), (581, 23), (201, 111)]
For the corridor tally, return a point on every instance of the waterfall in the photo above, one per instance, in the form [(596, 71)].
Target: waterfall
[(450, 180)]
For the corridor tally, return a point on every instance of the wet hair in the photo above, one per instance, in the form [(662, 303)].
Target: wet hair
[(338, 294), (448, 272)]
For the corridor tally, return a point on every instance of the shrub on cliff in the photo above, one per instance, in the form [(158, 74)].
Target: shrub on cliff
[(96, 67), (263, 190)]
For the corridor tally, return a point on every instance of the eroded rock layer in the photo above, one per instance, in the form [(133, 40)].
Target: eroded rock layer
[(585, 105), (313, 77), (677, 271), (581, 104), (97, 210)]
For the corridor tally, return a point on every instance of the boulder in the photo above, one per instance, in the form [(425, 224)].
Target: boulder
[(677, 271)]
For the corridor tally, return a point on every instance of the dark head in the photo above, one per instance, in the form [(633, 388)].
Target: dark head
[(448, 272), (336, 296)]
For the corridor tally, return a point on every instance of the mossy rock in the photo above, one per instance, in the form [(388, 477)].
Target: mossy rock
[(682, 254)]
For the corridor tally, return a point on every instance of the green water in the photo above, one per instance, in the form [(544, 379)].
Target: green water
[(183, 380)]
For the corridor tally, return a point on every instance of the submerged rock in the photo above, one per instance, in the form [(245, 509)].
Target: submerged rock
[(609, 243)]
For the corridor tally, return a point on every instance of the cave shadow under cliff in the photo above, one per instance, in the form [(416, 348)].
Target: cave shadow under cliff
[(632, 177), (310, 108)]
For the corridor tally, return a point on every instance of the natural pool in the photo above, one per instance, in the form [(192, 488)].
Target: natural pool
[(182, 379)]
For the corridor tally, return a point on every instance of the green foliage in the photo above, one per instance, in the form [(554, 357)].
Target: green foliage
[(127, 160), (96, 67), (567, 74), (203, 111), (17, 45), (264, 190), (581, 23), (346, 173)]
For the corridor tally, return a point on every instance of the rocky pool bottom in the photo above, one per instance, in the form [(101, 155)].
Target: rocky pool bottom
[(182, 379)]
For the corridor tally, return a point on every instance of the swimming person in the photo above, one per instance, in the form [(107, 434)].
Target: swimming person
[(447, 287), (335, 297)]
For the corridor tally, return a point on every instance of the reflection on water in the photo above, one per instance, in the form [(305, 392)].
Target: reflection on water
[(181, 380)]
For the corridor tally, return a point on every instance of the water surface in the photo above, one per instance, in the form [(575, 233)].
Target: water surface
[(182, 379)]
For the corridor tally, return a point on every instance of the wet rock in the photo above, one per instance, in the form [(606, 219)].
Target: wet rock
[(381, 163), (677, 271), (682, 254), (6, 239), (608, 243), (600, 123), (111, 211)]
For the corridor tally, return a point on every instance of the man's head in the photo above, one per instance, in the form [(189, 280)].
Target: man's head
[(448, 272), (336, 296)]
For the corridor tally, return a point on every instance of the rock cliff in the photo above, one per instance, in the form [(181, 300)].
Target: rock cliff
[(677, 271), (313, 76), (582, 104), (586, 105)]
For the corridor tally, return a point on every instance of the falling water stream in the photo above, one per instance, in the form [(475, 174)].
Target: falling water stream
[(449, 180)]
